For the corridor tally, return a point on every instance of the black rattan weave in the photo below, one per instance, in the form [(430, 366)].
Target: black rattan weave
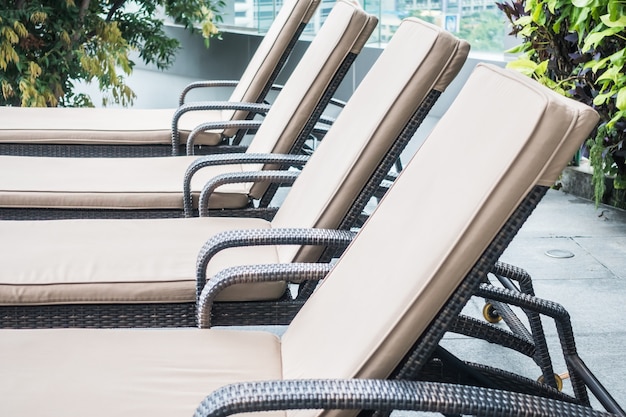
[(360, 394)]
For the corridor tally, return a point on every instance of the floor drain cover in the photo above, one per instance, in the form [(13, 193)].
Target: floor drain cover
[(559, 253)]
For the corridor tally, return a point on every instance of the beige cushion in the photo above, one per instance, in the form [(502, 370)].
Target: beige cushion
[(346, 158), (101, 125), (120, 261), (157, 182), (117, 183), (430, 229), (263, 63), (153, 126), (164, 373), (345, 31)]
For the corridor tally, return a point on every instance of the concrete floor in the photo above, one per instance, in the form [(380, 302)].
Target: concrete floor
[(591, 286)]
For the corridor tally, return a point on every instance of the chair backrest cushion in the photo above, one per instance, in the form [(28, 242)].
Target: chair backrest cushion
[(268, 54), (366, 128), (345, 31), (500, 137)]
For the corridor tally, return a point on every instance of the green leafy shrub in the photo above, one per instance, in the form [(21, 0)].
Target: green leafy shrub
[(578, 48), (46, 46)]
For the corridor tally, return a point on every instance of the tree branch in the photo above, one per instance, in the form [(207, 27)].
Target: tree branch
[(114, 8), (84, 5)]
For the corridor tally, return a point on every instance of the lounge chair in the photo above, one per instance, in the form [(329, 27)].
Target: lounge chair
[(153, 187), (380, 311), (141, 272), (149, 132)]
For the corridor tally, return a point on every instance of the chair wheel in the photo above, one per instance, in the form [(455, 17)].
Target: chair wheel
[(490, 314), (558, 378)]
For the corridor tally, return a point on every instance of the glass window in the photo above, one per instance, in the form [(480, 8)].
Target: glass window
[(477, 21)]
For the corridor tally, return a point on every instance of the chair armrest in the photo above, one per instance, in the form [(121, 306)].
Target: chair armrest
[(381, 395), (227, 159), (263, 237), (210, 105), (245, 274), (205, 84), (276, 177), (238, 124)]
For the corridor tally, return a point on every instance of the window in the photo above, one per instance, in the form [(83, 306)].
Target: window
[(477, 21)]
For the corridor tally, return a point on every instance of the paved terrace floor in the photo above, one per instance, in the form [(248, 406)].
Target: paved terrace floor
[(591, 285)]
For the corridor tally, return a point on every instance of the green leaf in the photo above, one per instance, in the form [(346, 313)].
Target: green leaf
[(524, 21), (580, 20), (538, 16), (597, 65), (618, 57), (517, 49), (612, 73), (582, 3), (523, 65), (620, 101), (615, 9), (600, 99), (613, 23), (616, 117), (541, 68), (597, 37)]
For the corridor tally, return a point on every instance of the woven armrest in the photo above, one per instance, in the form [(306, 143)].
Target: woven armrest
[(237, 158), (259, 237), (247, 125), (211, 105), (205, 84), (246, 274), (381, 395), (276, 177)]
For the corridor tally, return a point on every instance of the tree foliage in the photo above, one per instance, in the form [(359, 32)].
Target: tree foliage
[(578, 48), (48, 45)]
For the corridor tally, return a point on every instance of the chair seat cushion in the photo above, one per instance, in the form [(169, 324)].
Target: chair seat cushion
[(139, 373), (120, 261), (113, 183), (102, 125)]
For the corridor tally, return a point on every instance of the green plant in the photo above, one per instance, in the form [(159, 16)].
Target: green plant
[(48, 45), (578, 48)]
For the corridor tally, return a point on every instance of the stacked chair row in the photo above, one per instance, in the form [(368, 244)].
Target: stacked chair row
[(141, 270), (90, 132), (153, 186), (367, 337)]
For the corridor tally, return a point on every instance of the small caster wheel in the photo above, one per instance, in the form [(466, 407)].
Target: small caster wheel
[(490, 314), (558, 378)]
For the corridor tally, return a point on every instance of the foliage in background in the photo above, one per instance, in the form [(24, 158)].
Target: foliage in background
[(48, 45), (483, 29), (578, 48)]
